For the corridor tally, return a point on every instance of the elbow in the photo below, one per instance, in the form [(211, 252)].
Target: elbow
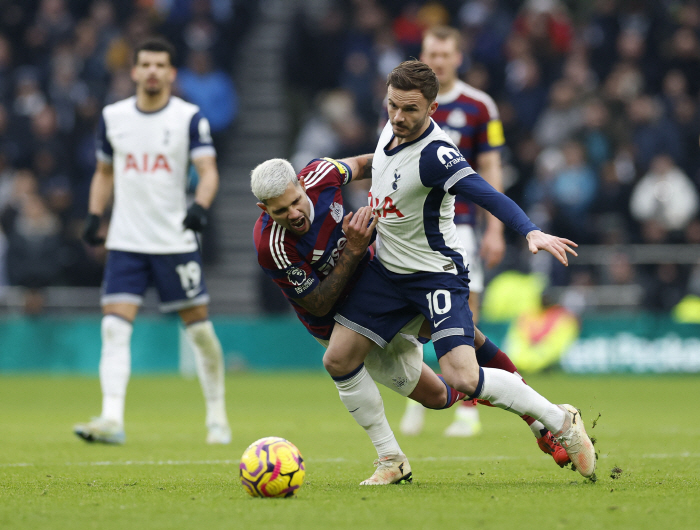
[(319, 311)]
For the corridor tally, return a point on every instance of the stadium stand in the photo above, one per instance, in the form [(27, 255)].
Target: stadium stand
[(599, 102)]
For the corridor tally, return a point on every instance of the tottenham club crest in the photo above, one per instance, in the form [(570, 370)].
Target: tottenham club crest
[(395, 184), (296, 276), (337, 212)]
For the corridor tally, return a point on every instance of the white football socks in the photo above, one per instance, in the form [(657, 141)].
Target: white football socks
[(115, 366), (210, 369), (507, 391), (359, 393)]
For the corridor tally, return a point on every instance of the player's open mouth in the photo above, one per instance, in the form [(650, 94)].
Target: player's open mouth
[(299, 224)]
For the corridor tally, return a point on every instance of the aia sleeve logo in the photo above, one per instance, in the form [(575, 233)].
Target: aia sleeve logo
[(296, 276)]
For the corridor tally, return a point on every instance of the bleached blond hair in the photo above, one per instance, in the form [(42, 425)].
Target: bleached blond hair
[(271, 179)]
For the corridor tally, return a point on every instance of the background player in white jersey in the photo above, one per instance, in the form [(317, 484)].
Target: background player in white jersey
[(470, 117), (417, 171), (145, 144)]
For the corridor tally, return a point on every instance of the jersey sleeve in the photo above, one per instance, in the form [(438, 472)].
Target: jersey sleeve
[(322, 172), (489, 132), (201, 143), (443, 166), (104, 148), (281, 262)]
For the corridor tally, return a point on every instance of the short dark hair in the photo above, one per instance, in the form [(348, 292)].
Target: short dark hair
[(155, 44), (415, 75)]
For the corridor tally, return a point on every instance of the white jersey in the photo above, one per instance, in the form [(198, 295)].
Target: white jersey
[(150, 154), (413, 192)]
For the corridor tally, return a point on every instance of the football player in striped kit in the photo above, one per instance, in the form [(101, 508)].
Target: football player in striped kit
[(421, 265), (145, 145)]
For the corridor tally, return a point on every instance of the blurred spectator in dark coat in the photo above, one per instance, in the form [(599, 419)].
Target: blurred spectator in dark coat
[(684, 55), (33, 235), (652, 133), (527, 93), (562, 118), (5, 69)]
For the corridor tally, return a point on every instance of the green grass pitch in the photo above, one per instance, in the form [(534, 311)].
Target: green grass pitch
[(167, 477)]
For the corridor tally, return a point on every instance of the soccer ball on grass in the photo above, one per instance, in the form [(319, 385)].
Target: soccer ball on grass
[(272, 467)]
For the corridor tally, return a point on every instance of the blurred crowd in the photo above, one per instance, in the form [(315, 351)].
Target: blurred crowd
[(599, 102), (61, 61)]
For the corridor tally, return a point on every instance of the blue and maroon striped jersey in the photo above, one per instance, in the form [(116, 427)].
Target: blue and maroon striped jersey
[(298, 264)]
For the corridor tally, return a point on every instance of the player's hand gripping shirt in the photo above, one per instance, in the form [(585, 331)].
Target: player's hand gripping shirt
[(298, 264), (470, 118), (413, 192), (150, 155)]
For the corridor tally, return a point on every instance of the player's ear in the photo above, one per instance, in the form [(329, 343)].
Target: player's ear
[(133, 74), (173, 74), (262, 206), (432, 108), (301, 183)]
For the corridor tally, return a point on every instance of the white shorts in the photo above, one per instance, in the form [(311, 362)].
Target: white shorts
[(467, 237), (400, 364)]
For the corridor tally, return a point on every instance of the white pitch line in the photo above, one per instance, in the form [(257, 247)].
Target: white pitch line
[(326, 460)]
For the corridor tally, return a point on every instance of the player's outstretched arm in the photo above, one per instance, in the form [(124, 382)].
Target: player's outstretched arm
[(358, 230), (100, 193), (556, 246), (361, 166)]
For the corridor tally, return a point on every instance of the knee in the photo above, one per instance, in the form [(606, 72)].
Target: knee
[(465, 381), (116, 330), (435, 400), (334, 364)]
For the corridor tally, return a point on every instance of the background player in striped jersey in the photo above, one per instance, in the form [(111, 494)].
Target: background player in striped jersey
[(145, 145), (470, 117), (315, 255)]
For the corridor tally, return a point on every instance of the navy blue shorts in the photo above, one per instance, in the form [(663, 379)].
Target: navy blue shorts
[(177, 278), (382, 302)]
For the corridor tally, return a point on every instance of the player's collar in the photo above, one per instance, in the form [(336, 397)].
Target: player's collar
[(398, 148), (148, 112)]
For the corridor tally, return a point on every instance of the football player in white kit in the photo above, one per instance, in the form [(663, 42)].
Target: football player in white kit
[(470, 118), (145, 145), (417, 171)]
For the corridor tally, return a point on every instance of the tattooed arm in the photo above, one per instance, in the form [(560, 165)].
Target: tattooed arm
[(358, 230), (361, 166)]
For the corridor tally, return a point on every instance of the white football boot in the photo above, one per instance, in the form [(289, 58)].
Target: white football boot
[(576, 443), (413, 419), (101, 430), (392, 469), (218, 434)]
